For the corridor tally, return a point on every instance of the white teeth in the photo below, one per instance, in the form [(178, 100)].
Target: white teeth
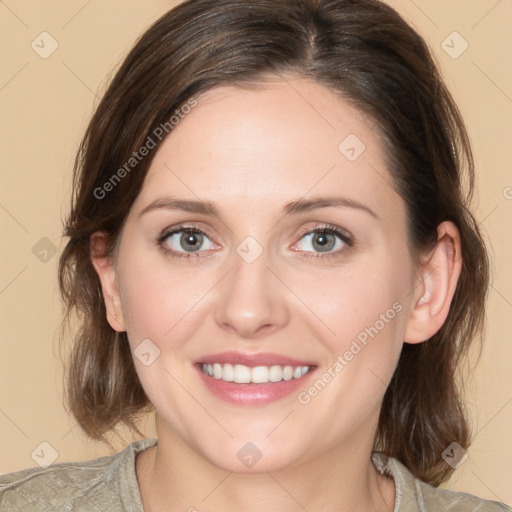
[(259, 374), (217, 371), (275, 373), (287, 373), (242, 374), (228, 373)]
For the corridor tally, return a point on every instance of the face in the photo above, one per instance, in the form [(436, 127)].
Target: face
[(295, 279)]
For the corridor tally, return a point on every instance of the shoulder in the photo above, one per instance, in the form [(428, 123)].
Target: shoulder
[(105, 483), (414, 495), (443, 499)]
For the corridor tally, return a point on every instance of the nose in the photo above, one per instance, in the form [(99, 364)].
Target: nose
[(252, 301)]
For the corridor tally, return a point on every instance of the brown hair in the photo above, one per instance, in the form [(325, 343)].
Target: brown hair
[(368, 54)]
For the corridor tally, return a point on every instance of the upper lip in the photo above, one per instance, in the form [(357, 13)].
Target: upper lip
[(251, 360)]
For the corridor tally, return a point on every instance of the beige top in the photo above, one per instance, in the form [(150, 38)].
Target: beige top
[(109, 484)]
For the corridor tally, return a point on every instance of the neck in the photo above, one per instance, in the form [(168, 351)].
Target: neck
[(342, 479)]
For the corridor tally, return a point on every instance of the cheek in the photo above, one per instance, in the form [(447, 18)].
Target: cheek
[(363, 311), (153, 303), (351, 301), (160, 301)]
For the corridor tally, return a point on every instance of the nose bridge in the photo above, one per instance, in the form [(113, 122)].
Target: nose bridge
[(251, 298)]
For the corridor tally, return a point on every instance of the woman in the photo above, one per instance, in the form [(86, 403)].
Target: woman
[(270, 245)]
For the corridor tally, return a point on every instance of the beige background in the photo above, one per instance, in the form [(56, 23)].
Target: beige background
[(45, 105)]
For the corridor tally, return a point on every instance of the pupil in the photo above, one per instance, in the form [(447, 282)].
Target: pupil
[(323, 241), (191, 241)]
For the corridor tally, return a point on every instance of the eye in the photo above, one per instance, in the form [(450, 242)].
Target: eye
[(183, 241), (188, 242), (324, 239)]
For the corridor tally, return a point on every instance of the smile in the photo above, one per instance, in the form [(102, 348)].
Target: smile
[(253, 379), (242, 374)]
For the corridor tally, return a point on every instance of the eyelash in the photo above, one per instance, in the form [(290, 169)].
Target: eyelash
[(324, 228)]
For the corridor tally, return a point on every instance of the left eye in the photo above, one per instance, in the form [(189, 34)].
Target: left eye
[(187, 241), (321, 241)]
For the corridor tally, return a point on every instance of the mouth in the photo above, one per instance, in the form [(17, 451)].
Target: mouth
[(242, 374), (252, 379)]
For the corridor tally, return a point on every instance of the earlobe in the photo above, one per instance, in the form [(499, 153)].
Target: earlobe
[(105, 268), (438, 276)]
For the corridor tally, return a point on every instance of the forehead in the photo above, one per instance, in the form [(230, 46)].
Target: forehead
[(280, 139)]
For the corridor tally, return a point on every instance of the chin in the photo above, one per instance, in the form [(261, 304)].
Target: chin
[(252, 457)]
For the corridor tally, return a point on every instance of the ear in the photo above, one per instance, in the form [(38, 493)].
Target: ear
[(438, 274), (105, 268)]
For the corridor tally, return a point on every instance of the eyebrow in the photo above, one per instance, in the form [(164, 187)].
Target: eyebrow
[(293, 208)]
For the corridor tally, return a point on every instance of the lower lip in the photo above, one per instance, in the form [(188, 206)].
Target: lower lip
[(252, 394)]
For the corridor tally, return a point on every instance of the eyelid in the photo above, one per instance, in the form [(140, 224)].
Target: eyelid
[(346, 236), (165, 233)]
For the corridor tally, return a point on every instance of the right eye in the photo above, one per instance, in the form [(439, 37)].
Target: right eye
[(185, 241)]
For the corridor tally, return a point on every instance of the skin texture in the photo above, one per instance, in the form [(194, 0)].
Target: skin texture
[(251, 152)]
